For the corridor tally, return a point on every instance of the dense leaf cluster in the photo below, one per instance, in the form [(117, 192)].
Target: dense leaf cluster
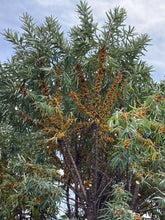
[(82, 123)]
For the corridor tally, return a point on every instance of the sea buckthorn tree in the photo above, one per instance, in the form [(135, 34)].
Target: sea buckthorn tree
[(82, 123)]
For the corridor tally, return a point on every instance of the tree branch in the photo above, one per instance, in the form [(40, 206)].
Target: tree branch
[(75, 168), (135, 196), (67, 199), (96, 159), (104, 189), (104, 175)]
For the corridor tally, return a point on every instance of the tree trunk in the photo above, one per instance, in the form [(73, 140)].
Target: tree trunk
[(91, 211), (92, 195)]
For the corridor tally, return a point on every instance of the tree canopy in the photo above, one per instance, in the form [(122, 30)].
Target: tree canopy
[(82, 123)]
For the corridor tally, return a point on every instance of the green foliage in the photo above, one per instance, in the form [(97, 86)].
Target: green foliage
[(83, 35), (82, 122), (118, 208)]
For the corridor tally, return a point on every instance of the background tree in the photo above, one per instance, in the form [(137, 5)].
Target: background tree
[(68, 129)]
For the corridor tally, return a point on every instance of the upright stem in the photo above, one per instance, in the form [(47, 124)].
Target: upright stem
[(75, 168), (20, 209), (67, 199), (31, 215), (104, 175), (96, 168), (66, 161), (76, 184), (127, 177), (130, 183), (118, 176), (135, 196), (71, 170)]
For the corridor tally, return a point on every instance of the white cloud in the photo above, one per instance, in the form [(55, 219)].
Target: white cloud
[(145, 15), (54, 2)]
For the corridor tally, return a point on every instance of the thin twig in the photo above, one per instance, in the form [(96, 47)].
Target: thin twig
[(104, 189)]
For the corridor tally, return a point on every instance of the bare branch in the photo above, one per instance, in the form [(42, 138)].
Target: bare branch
[(75, 168)]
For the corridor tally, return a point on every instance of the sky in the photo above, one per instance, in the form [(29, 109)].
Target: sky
[(147, 17)]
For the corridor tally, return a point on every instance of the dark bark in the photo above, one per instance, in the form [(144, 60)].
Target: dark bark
[(74, 167), (76, 206), (118, 175), (67, 200), (31, 215), (76, 185), (20, 209), (135, 195), (92, 197), (91, 209), (95, 184), (127, 178)]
